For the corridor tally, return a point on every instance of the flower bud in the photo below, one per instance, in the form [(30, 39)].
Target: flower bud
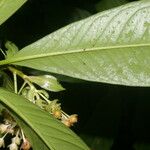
[(73, 118), (40, 103), (25, 145), (10, 130), (53, 106), (66, 122), (2, 143), (13, 146), (16, 140), (57, 114), (3, 128)]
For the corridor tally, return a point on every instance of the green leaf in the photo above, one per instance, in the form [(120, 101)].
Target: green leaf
[(110, 47), (47, 82), (43, 131), (8, 8), (7, 81), (107, 4), (12, 49)]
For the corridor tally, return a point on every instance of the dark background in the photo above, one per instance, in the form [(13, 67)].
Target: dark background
[(117, 112)]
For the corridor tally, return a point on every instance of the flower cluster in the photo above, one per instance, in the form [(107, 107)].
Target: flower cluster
[(34, 89), (41, 98), (9, 126)]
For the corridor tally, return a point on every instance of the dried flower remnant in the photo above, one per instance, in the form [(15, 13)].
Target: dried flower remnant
[(25, 145), (69, 120), (17, 138)]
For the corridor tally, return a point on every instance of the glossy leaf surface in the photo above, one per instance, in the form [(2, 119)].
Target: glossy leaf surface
[(47, 82)]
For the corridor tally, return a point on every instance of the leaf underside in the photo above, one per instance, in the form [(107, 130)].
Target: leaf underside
[(43, 131), (9, 7), (111, 47)]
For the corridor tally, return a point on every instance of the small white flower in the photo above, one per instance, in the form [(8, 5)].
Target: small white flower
[(3, 128), (10, 130), (16, 140), (13, 146), (2, 143)]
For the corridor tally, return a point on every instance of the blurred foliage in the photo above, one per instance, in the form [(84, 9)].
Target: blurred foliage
[(142, 146), (97, 143), (108, 4)]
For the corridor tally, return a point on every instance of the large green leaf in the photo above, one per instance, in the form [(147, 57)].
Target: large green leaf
[(111, 47), (41, 128), (8, 7)]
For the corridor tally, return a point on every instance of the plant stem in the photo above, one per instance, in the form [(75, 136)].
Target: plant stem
[(15, 82), (15, 73), (47, 100), (3, 52), (23, 85), (5, 135), (23, 137), (66, 115), (19, 73)]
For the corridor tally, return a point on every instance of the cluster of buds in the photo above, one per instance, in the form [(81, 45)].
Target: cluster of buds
[(9, 126), (38, 97), (69, 120), (41, 98), (55, 109)]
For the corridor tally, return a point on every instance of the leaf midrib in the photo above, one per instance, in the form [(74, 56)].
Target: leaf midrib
[(32, 126), (74, 51)]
